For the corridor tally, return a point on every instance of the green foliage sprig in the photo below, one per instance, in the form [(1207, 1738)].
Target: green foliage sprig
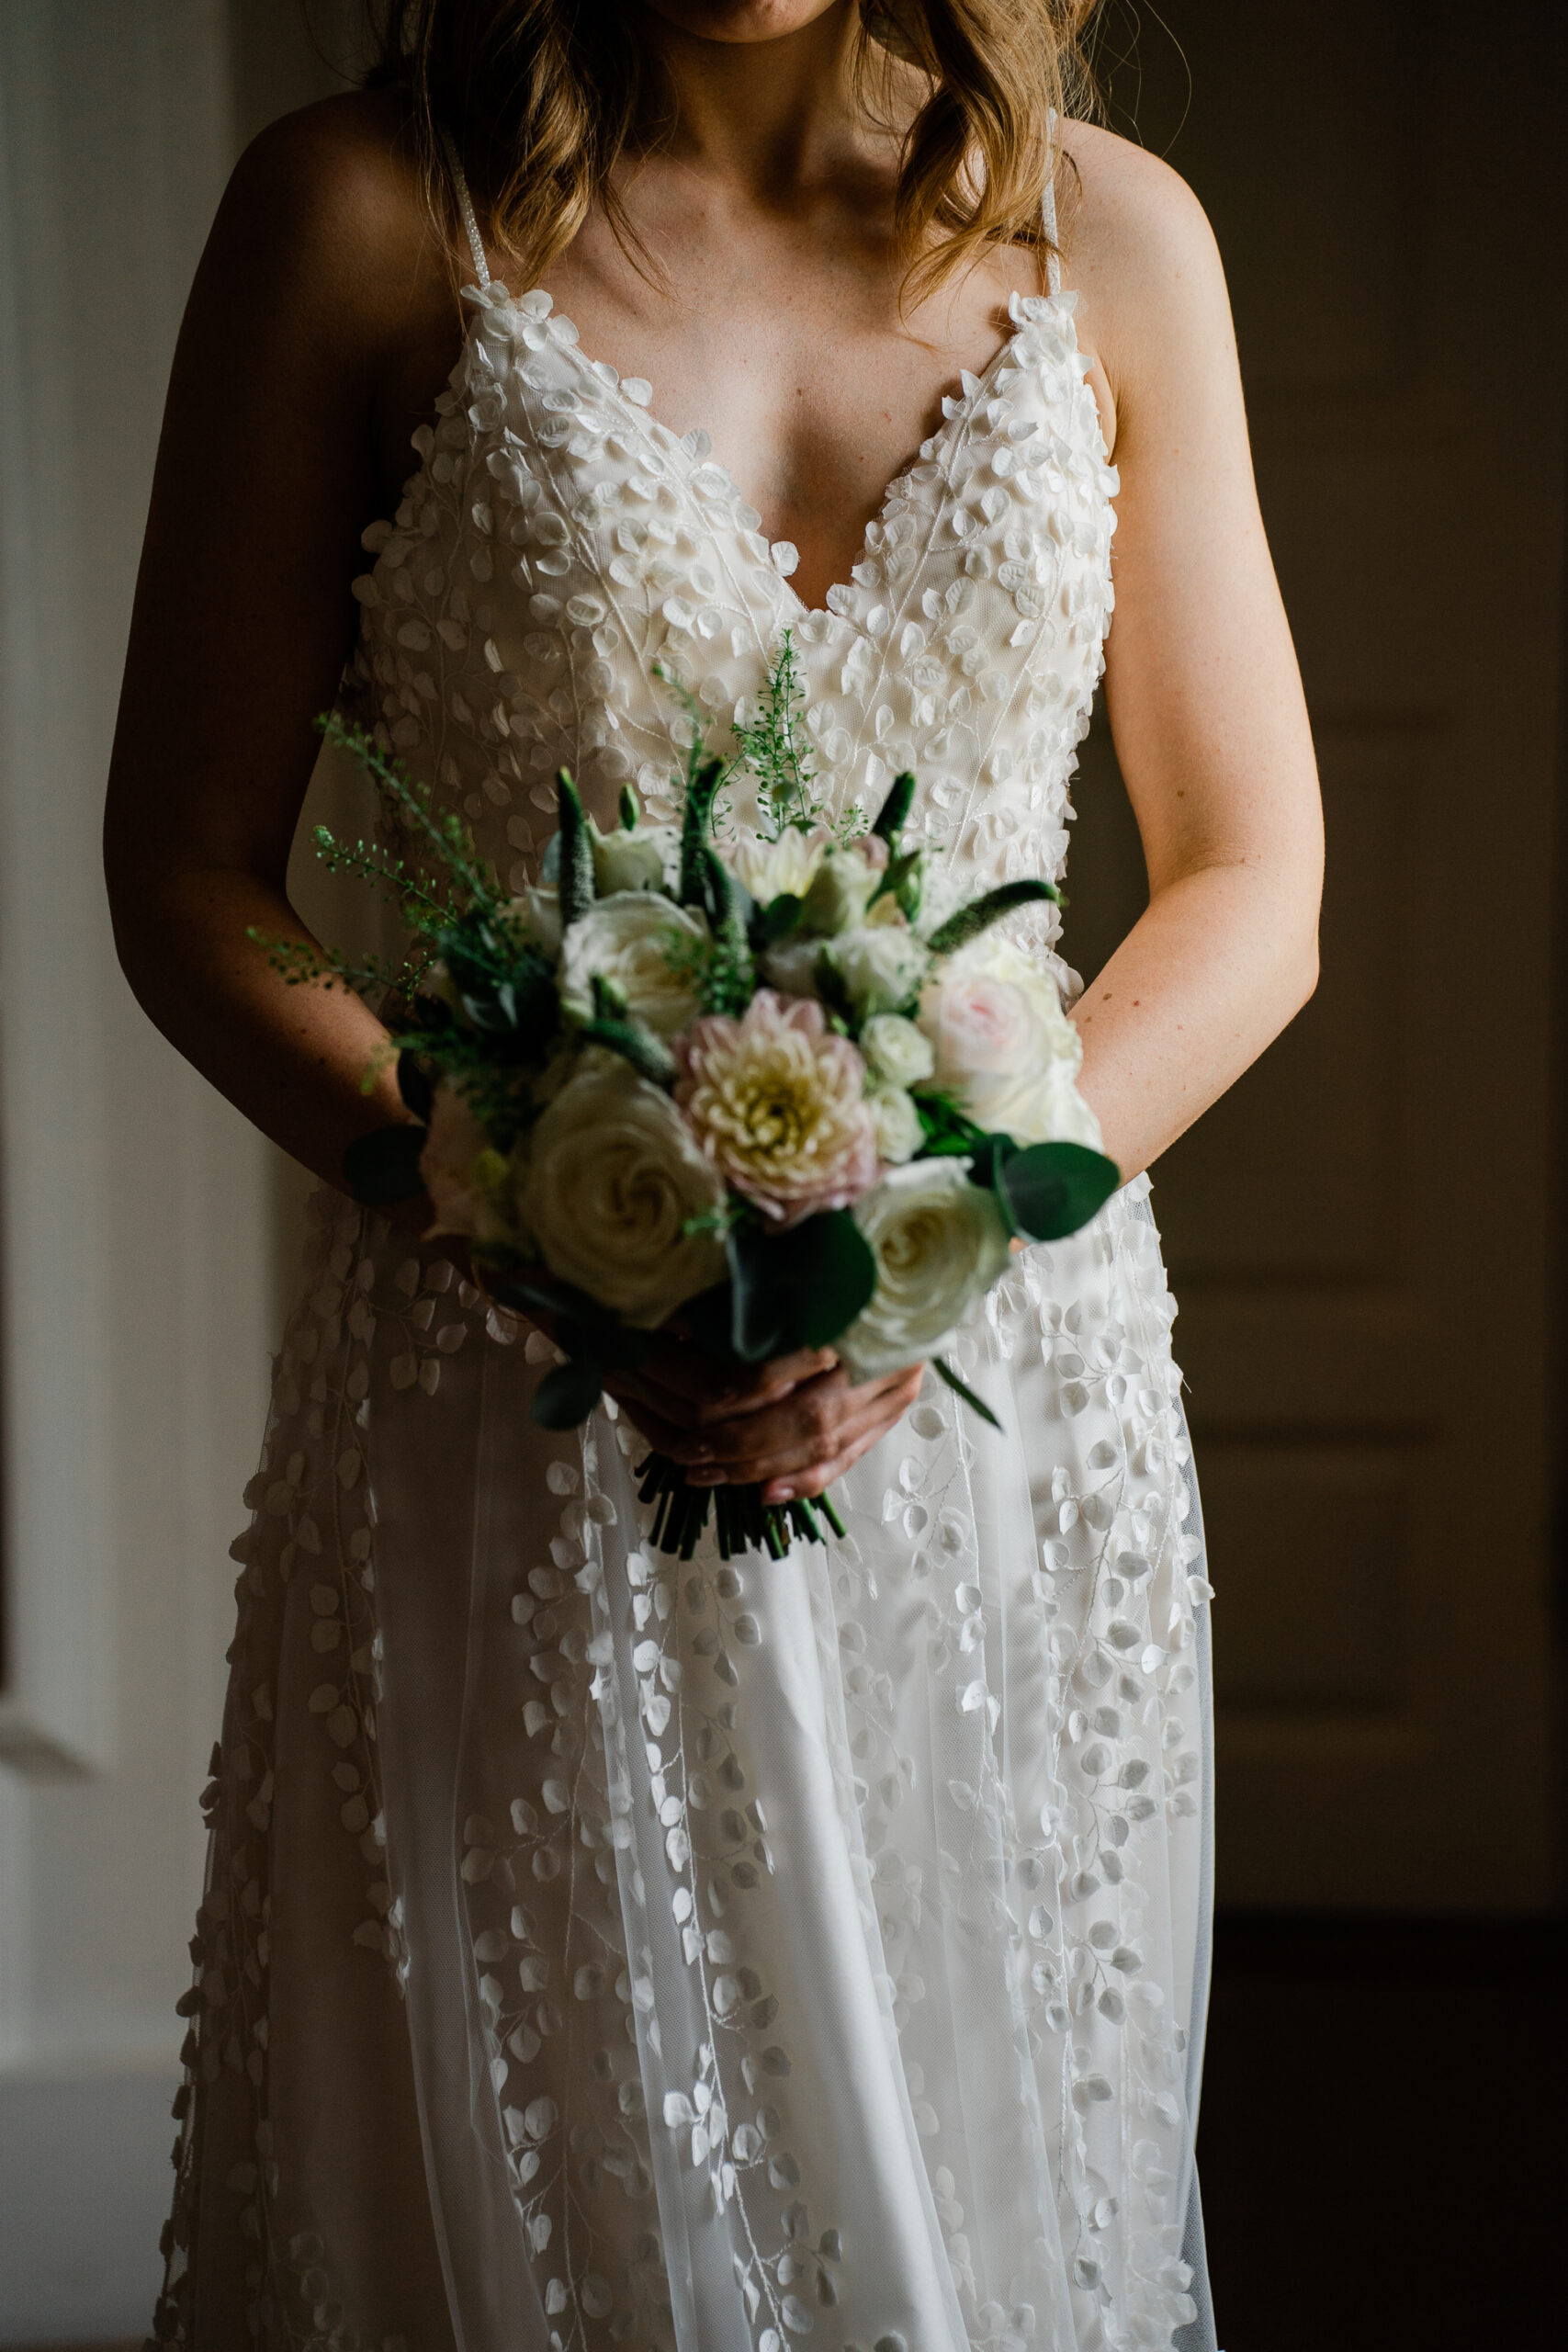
[(772, 749)]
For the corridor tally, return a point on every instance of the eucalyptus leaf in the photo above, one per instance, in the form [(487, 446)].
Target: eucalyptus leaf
[(759, 1305), (414, 1087), (1050, 1190), (830, 1274), (777, 919), (383, 1166), (601, 1339), (710, 1319), (566, 1397)]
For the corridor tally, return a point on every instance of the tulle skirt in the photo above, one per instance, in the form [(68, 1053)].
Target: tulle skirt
[(604, 1950)]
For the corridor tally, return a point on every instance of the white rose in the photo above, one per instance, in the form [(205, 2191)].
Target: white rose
[(895, 1051), (631, 939), (785, 869), (1004, 1048), (643, 859), (940, 1243), (467, 1180), (899, 1134), (881, 968), (615, 1177)]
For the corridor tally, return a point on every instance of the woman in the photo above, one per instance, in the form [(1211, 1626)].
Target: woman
[(593, 1954)]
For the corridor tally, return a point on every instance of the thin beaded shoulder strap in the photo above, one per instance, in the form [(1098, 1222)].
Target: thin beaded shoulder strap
[(465, 205), (1048, 221)]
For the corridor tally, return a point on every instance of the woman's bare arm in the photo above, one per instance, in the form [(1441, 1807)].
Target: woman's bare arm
[(1201, 686), (320, 326), (243, 617)]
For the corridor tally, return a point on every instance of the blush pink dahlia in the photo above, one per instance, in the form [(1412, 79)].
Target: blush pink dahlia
[(778, 1104)]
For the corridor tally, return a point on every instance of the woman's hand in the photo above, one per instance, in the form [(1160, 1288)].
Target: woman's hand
[(790, 1427)]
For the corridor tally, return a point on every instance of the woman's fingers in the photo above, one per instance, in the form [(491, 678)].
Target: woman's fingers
[(813, 1438), (694, 1390), (803, 1419), (664, 1436), (818, 1474), (812, 1426)]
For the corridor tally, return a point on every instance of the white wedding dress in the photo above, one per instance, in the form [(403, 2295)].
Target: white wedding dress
[(598, 1952)]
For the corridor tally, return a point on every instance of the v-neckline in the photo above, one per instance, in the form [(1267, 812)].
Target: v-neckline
[(957, 409)]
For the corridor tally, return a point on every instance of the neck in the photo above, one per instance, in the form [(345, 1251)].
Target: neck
[(766, 113)]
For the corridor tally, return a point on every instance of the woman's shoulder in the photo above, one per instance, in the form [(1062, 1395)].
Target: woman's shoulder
[(1137, 245), (1127, 211), (327, 213)]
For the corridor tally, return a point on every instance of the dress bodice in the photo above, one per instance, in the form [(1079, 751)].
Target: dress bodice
[(558, 547)]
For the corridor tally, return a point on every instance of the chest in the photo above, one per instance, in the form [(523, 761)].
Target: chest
[(789, 350)]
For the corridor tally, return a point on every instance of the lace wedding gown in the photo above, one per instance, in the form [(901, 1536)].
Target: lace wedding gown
[(599, 1951)]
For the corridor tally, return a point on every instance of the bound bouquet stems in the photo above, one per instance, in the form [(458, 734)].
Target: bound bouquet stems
[(744, 1521)]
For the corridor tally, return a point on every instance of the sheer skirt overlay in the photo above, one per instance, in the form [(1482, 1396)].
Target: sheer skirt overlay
[(603, 1949)]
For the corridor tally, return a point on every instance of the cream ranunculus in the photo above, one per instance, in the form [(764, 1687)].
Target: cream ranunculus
[(645, 859), (881, 967), (639, 940), (467, 1180), (940, 1243), (895, 1051), (1004, 1048), (785, 869), (615, 1179), (778, 1105), (899, 1134)]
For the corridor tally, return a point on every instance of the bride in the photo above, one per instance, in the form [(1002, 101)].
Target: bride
[(596, 1951)]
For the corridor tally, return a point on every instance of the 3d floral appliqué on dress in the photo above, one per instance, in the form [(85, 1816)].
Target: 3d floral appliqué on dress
[(599, 1950)]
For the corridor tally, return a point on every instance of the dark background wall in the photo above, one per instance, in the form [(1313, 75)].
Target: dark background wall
[(1366, 1235)]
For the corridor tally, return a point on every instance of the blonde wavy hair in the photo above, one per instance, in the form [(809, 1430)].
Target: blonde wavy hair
[(544, 97)]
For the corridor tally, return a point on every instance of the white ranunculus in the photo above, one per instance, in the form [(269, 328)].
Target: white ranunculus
[(895, 1051), (881, 967), (1004, 1048), (899, 1134), (638, 940), (940, 1243), (615, 1178), (647, 858), (785, 869)]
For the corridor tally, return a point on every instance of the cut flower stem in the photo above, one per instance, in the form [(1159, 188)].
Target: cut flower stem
[(743, 1521)]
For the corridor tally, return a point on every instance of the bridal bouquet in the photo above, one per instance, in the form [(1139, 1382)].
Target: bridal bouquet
[(773, 1086)]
